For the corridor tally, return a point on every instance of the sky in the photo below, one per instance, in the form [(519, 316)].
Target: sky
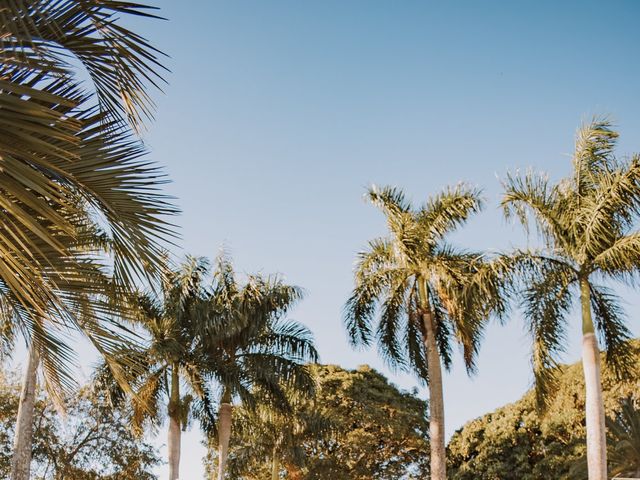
[(278, 115)]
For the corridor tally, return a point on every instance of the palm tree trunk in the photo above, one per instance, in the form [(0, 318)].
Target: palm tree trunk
[(23, 437), (174, 425), (224, 432), (596, 430), (275, 465), (438, 460)]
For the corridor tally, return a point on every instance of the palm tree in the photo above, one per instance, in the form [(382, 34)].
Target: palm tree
[(172, 359), (67, 157), (428, 293), (585, 221), (253, 352)]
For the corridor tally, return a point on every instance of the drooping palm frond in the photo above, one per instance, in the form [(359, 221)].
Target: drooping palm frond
[(621, 259), (376, 271), (546, 302), (49, 36), (532, 194), (392, 313), (610, 325)]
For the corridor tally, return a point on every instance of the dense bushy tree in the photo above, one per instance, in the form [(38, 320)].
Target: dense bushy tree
[(516, 442), (92, 442), (374, 431)]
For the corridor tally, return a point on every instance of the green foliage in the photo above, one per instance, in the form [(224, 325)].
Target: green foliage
[(92, 442), (373, 431), (516, 442)]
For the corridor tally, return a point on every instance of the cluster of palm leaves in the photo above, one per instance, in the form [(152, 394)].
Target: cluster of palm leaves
[(209, 344), (415, 294)]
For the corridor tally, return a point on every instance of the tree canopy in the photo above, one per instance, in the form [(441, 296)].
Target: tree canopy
[(92, 442), (377, 432), (515, 441)]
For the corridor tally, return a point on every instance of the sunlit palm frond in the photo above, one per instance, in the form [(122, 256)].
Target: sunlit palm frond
[(622, 258), (449, 209), (595, 142), (532, 194), (611, 209), (39, 35)]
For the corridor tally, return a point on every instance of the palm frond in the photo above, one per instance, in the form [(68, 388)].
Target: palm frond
[(546, 303), (610, 325), (531, 196), (449, 209)]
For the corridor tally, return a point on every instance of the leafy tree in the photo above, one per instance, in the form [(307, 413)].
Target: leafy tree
[(172, 359), (586, 221), (269, 433), (92, 442), (516, 442), (253, 353), (69, 159), (373, 431), (429, 294)]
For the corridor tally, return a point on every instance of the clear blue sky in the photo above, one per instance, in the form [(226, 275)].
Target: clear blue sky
[(280, 113)]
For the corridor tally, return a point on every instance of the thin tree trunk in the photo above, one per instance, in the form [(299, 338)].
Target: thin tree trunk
[(174, 425), (23, 437), (438, 460), (275, 465), (596, 430), (224, 432)]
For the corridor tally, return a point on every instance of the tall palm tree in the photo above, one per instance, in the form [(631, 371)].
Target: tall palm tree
[(68, 152), (586, 222), (253, 351), (428, 294), (171, 361)]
